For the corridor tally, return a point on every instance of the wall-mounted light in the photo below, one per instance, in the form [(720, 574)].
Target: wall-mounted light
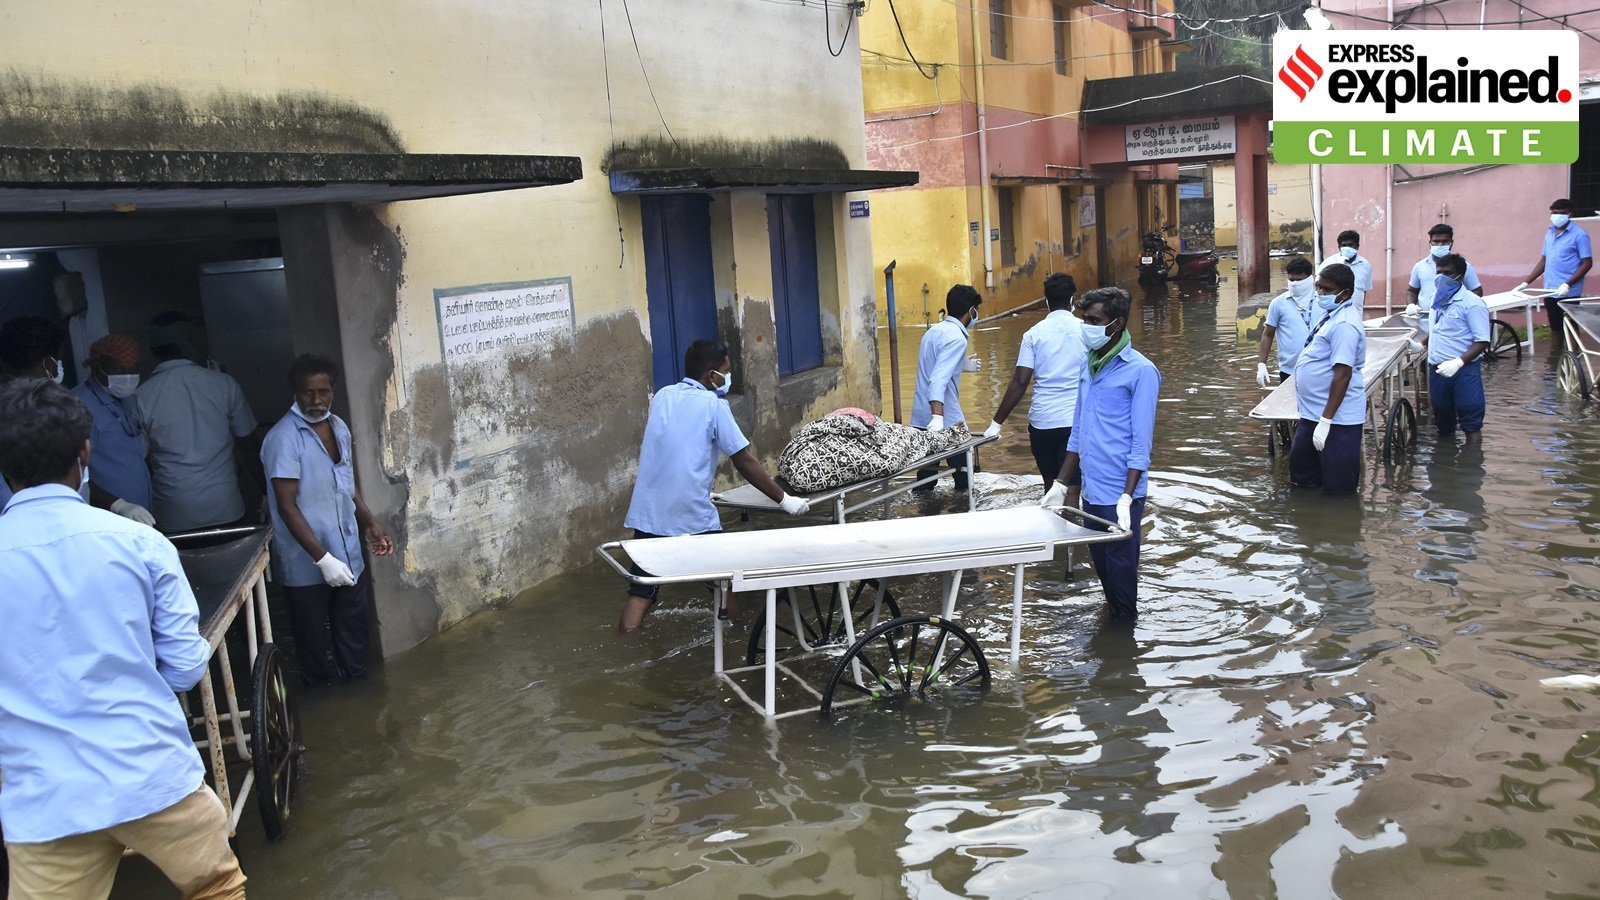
[(15, 260)]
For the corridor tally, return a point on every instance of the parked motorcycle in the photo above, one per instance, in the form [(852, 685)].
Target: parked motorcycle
[(1157, 260)]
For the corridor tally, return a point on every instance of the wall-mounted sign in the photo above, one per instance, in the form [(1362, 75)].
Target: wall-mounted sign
[(859, 209), (994, 234), (1178, 138), (1085, 210), (489, 321)]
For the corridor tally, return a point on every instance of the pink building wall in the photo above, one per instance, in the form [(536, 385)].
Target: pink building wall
[(1499, 214)]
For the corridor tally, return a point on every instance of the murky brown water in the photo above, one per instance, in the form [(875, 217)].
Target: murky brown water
[(1323, 698)]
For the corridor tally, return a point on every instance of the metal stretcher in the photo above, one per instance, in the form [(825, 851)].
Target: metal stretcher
[(906, 655), (227, 570), (748, 500), (1575, 368), (1388, 370)]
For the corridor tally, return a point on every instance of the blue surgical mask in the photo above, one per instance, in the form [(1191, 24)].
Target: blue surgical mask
[(1348, 252), (120, 386), (1560, 220), (1094, 336), (1328, 302), (1439, 250), (1444, 291), (726, 385)]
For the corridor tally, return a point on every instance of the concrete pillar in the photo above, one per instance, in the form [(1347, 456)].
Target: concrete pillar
[(1250, 203)]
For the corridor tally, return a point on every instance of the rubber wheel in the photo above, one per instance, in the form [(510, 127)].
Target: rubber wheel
[(1279, 436), (276, 750), (1571, 375), (911, 656), (823, 622), (1503, 341), (1400, 431)]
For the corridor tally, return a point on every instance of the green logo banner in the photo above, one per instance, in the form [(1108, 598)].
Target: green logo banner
[(1458, 143)]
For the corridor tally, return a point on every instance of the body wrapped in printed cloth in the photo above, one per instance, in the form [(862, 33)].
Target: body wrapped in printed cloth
[(848, 446)]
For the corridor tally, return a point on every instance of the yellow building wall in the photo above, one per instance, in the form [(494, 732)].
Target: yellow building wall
[(1289, 214), (934, 254)]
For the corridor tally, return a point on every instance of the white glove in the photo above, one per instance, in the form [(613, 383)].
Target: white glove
[(1414, 345), (334, 572), (795, 506), (1262, 375), (1319, 436), (716, 497), (1125, 512), (936, 423), (1411, 311), (1449, 367), (971, 364), (1563, 291), (133, 511), (993, 431), (1056, 496), (1518, 288)]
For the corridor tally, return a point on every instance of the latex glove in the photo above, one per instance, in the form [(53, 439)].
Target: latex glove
[(1262, 375), (993, 431), (936, 423), (1518, 288), (1056, 496), (1411, 311), (795, 506), (971, 364), (133, 511), (1414, 345), (1449, 367), (334, 572), (1319, 435), (1563, 291), (716, 497), (1125, 512)]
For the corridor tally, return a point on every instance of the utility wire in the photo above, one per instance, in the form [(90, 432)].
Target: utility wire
[(827, 27), (647, 84), (903, 43), (611, 121)]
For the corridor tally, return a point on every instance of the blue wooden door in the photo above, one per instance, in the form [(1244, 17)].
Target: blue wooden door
[(679, 288), (792, 229)]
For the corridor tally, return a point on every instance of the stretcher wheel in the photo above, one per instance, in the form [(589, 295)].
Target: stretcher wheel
[(1400, 432), (823, 622), (1571, 376), (276, 751), (909, 656), (1503, 341), (1280, 435)]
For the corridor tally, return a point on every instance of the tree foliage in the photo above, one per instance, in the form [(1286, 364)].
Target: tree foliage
[(1224, 43)]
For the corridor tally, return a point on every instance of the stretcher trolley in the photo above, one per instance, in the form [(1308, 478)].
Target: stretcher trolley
[(898, 657), (227, 570), (1390, 368), (1575, 368), (821, 618)]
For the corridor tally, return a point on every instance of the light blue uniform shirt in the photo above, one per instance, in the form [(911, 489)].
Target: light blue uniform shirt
[(1360, 268), (1292, 324), (1423, 274), (326, 498), (1114, 426), (1054, 350), (116, 444), (100, 629), (1338, 340), (1564, 250), (1458, 327), (191, 416), (939, 360), (690, 430)]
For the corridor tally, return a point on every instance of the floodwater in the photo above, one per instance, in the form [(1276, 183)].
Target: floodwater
[(1323, 697)]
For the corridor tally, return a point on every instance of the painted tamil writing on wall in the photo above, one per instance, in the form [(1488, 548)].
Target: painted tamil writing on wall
[(1210, 136)]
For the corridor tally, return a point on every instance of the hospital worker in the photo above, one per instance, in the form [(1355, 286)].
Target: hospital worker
[(1458, 337), (691, 428), (1350, 255), (1290, 317), (1419, 292), (1051, 359), (1112, 430), (119, 447), (941, 359), (1564, 262), (318, 521), (101, 633), (1329, 390)]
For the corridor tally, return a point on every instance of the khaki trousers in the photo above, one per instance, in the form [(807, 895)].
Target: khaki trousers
[(188, 841)]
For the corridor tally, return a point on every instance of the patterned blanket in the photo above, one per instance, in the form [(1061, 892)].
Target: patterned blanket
[(848, 446)]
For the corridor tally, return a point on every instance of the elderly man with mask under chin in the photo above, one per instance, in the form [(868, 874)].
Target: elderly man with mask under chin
[(318, 520)]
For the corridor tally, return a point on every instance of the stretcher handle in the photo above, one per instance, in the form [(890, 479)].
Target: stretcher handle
[(604, 550), (1113, 527)]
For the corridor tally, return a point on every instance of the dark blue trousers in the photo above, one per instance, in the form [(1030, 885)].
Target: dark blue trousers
[(1459, 399), (1049, 446), (1336, 468), (1117, 563)]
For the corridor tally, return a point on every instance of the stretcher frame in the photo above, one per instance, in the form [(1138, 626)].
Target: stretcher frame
[(747, 500), (837, 554), (1576, 369)]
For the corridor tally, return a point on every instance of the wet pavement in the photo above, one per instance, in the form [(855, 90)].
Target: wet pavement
[(1323, 697)]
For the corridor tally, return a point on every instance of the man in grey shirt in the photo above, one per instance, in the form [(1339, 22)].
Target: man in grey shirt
[(191, 415)]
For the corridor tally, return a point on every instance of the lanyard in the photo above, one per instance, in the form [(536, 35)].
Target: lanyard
[(1325, 319), (130, 427)]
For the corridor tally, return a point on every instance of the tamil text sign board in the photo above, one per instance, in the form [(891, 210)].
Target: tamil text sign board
[(490, 321), (1181, 138)]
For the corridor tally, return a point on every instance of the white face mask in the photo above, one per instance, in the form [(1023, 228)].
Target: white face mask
[(1560, 220), (1301, 291), (726, 385), (1439, 250), (84, 481), (1348, 252), (120, 386), (61, 372), (1094, 336), (294, 407)]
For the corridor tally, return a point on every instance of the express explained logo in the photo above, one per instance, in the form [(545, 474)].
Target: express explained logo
[(1301, 73)]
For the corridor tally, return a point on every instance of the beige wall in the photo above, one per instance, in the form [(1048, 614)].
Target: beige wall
[(509, 471), (1288, 210)]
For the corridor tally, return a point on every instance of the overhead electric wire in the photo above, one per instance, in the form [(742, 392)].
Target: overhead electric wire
[(647, 84), (827, 27), (904, 43)]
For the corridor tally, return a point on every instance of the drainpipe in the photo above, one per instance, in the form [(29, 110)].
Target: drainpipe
[(983, 149)]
